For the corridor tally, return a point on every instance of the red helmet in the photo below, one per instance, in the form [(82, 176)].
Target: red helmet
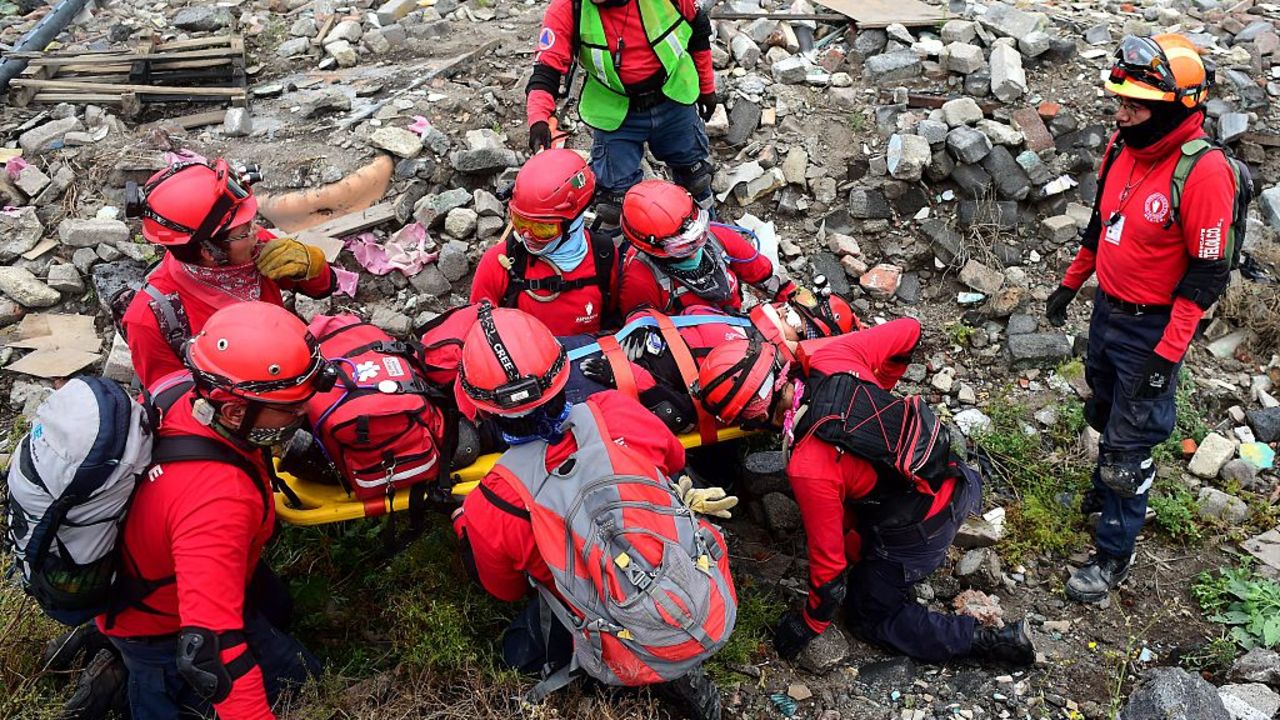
[(736, 373), (511, 363), (551, 191), (661, 219), (194, 201), (825, 316), (259, 352)]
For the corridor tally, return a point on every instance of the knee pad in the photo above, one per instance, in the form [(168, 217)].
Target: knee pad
[(200, 661), (696, 179), (1128, 477)]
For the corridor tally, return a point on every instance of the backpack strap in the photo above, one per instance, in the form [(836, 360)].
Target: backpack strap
[(171, 317), (1093, 231), (1192, 151), (623, 377)]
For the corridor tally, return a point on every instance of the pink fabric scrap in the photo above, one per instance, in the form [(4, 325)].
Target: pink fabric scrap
[(347, 281), (14, 167), (405, 251)]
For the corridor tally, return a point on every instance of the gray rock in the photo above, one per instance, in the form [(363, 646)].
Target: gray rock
[(460, 223), (453, 261), (933, 131), (114, 277), (348, 30), (1059, 229), (824, 652), (10, 312), (940, 166), (968, 145), (392, 11), (202, 18), (1174, 694), (978, 533), (31, 181), (981, 278), (92, 232), (26, 396), (1035, 43), (1259, 665), (1241, 472), (431, 281), (64, 278), (1008, 79), (892, 67), (744, 118), (487, 204), (962, 58), (312, 102), (978, 84), (1002, 214), (829, 267), (48, 136), (1252, 96), (1221, 507), (1214, 452), (397, 141), (1099, 34), (1265, 423), (946, 243), (1037, 171), (1020, 324), (1011, 180), (781, 513), (1007, 20), (1251, 701), (980, 568), (961, 111), (308, 308), (483, 161), (84, 259), (391, 320), (972, 180), (764, 472), (237, 122), (26, 289), (871, 41), (790, 70), (907, 157), (1038, 349), (868, 203), (20, 230), (294, 47), (1269, 205), (1232, 125), (959, 31), (745, 52), (119, 364), (431, 210), (343, 53)]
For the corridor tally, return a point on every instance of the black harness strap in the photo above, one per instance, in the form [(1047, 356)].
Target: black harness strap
[(171, 318)]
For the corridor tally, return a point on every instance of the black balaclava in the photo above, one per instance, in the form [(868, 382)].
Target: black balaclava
[(1165, 116), (610, 3)]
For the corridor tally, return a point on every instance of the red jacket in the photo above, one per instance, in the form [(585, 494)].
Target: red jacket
[(1137, 259), (152, 356), (641, 288), (639, 63), (501, 542), (572, 312), (823, 477), (205, 523)]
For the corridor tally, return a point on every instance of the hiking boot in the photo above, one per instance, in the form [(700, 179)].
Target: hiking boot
[(1094, 581), (101, 689), (1010, 644), (694, 696)]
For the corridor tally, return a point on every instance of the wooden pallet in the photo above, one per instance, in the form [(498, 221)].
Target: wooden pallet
[(201, 70)]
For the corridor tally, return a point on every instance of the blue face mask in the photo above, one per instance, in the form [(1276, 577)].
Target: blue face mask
[(540, 426), (570, 252), (688, 264)]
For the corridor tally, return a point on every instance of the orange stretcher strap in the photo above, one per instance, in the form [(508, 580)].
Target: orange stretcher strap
[(623, 377), (688, 372)]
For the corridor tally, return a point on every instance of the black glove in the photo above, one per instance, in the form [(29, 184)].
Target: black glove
[(1055, 308), (792, 635), (707, 105), (598, 369), (636, 344), (1155, 377), (539, 136)]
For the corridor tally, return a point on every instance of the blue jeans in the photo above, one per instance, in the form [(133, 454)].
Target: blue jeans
[(158, 692), (674, 132), (1119, 345), (879, 603)]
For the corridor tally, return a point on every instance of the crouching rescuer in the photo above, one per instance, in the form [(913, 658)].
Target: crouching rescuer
[(881, 494), (201, 630), (632, 588)]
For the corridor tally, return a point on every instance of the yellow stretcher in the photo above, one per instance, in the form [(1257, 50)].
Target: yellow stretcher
[(323, 503)]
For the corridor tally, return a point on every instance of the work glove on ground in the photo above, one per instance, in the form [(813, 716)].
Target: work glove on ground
[(793, 635), (1055, 308), (1156, 374), (707, 105), (288, 259), (539, 136), (711, 501), (597, 369)]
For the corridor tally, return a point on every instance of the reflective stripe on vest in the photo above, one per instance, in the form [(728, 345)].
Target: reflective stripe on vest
[(604, 102)]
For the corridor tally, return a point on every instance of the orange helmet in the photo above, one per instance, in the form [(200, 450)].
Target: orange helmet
[(257, 352), (661, 219), (511, 363), (737, 374), (194, 201), (1163, 68)]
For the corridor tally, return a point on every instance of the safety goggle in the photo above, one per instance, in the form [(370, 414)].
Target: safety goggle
[(1142, 59), (692, 235), (536, 234)]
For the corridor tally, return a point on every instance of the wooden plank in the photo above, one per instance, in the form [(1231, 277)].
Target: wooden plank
[(142, 89), (883, 13), (824, 17), (350, 223), (80, 98), (39, 60)]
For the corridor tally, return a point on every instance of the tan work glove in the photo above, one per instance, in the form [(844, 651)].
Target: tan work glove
[(705, 501), (288, 259)]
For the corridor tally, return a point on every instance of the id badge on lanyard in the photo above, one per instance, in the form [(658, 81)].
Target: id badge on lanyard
[(1115, 228)]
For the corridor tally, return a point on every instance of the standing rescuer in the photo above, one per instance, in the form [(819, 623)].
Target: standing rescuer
[(1161, 264), (647, 78), (201, 625), (203, 215)]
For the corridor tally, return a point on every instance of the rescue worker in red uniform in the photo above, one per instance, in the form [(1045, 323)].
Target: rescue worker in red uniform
[(872, 532), (1157, 274), (679, 259), (193, 637), (646, 64), (514, 371), (551, 266), (203, 215)]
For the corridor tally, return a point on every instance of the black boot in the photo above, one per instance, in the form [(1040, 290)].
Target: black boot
[(1010, 644), (60, 653), (694, 696), (101, 690), (1092, 583)]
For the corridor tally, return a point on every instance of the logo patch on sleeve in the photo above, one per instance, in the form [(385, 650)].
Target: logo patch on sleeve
[(546, 39)]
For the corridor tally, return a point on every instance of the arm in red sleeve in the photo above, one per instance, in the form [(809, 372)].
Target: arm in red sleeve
[(1183, 321), (816, 474), (881, 352), (1081, 268), (211, 534), (501, 543), (490, 279), (152, 357), (638, 289), (551, 60), (700, 43), (539, 106), (745, 260), (706, 71), (640, 430)]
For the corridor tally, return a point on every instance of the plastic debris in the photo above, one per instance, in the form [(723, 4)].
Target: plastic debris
[(1260, 455), (785, 705)]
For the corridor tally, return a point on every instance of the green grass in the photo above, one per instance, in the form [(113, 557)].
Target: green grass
[(1190, 422), (1176, 512), (959, 334), (1245, 601), (1042, 474), (758, 611), (28, 690)]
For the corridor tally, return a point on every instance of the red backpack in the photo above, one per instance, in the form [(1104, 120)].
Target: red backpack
[(640, 580), (441, 343), (380, 424)]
